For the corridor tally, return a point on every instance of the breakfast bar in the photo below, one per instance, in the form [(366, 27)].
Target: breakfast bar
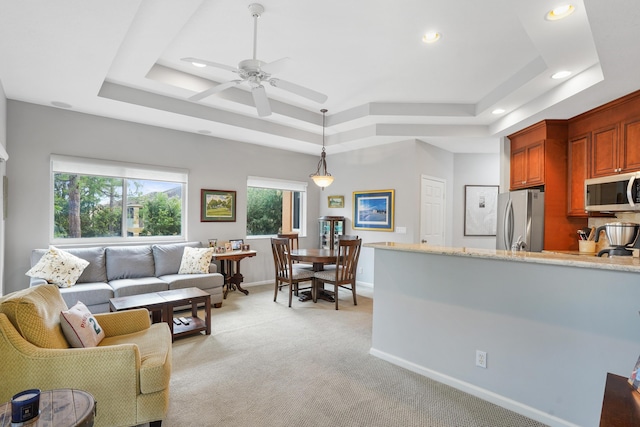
[(552, 325)]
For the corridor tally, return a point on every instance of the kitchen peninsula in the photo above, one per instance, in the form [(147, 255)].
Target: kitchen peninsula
[(552, 325)]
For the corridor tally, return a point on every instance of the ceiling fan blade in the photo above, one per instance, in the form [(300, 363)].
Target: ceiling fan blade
[(275, 66), (299, 90), (261, 101), (214, 89), (210, 64)]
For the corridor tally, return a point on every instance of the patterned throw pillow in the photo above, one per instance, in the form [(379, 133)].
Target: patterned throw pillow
[(195, 260), (59, 267), (80, 328)]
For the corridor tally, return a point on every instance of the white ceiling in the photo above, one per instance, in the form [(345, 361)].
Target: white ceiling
[(121, 59)]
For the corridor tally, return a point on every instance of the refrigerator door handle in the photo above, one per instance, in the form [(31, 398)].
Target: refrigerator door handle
[(508, 225)]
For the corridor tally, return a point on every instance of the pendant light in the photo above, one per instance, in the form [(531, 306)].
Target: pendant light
[(322, 178)]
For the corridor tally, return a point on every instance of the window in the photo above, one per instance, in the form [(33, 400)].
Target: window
[(99, 200), (275, 206)]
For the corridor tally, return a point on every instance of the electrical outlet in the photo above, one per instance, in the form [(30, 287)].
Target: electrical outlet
[(360, 270), (481, 359)]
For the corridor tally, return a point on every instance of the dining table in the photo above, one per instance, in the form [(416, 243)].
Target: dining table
[(318, 258)]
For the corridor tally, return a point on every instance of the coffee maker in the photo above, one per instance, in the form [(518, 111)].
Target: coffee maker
[(623, 237)]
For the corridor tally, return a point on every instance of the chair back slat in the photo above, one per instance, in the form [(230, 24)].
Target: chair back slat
[(281, 258), (347, 260)]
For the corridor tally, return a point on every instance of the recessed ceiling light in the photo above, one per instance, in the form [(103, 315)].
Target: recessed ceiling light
[(204, 131), (498, 111), (431, 37), (61, 104), (561, 74), (560, 12), (198, 64)]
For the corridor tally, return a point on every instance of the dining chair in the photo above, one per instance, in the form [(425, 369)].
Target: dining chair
[(344, 275), (286, 275), (294, 243)]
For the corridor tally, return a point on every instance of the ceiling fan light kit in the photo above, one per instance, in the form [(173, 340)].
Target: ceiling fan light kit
[(321, 177), (256, 72)]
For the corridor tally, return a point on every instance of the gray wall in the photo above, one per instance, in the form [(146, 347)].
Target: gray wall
[(395, 166), (472, 169), (551, 332), (35, 132), (3, 141)]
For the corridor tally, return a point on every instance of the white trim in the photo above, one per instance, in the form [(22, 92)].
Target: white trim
[(99, 167), (277, 184), (489, 396)]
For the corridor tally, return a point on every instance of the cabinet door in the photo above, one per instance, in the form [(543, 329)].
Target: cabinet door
[(604, 152), (630, 146), (534, 165), (578, 163), (518, 171)]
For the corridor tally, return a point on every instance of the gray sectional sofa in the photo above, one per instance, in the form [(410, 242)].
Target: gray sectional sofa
[(116, 271)]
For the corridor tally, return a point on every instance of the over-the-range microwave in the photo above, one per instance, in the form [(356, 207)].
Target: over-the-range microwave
[(613, 193)]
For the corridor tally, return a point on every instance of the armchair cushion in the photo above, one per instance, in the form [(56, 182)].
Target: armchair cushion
[(59, 267), (35, 313), (80, 327)]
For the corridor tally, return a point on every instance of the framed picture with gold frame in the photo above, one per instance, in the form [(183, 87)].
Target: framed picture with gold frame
[(335, 201), (373, 210)]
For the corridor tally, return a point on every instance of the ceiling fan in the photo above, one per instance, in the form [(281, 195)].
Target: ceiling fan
[(255, 73)]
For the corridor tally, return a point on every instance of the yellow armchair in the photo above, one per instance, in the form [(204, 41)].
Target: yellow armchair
[(128, 373)]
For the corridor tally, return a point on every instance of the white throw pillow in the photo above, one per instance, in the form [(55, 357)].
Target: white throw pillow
[(59, 267), (195, 260), (80, 328)]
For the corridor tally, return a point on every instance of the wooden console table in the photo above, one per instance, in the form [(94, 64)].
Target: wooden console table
[(621, 403), (230, 269)]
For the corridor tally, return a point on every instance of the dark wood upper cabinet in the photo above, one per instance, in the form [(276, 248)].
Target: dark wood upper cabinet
[(614, 131), (604, 152), (539, 159), (578, 163)]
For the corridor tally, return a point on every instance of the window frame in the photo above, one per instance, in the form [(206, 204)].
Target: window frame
[(284, 185), (125, 171)]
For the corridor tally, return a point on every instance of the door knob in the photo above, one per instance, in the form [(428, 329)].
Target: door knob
[(423, 241)]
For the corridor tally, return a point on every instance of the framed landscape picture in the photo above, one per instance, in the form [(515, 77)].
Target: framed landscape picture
[(335, 201), (373, 210), (217, 205)]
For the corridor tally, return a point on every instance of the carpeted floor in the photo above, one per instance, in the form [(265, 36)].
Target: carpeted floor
[(269, 365)]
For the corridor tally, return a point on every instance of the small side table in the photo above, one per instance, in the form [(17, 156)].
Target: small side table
[(232, 276), (60, 408)]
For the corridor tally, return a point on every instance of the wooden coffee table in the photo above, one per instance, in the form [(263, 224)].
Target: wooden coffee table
[(162, 304)]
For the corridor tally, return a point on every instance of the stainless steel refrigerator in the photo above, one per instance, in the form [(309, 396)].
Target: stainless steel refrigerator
[(521, 215)]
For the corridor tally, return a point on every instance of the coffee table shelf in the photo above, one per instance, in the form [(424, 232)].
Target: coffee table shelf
[(161, 305)]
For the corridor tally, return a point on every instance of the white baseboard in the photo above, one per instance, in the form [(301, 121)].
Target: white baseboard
[(479, 392)]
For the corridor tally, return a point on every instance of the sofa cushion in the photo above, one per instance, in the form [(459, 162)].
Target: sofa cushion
[(142, 285), (80, 328), (35, 313), (89, 293), (94, 272), (168, 257), (195, 260), (129, 262), (58, 267), (202, 281)]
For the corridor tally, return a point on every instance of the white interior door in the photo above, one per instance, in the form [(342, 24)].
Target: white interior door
[(432, 206)]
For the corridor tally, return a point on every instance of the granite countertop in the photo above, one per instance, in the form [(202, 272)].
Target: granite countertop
[(565, 258)]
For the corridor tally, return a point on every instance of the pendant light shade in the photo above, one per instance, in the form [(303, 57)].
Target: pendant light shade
[(321, 177)]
